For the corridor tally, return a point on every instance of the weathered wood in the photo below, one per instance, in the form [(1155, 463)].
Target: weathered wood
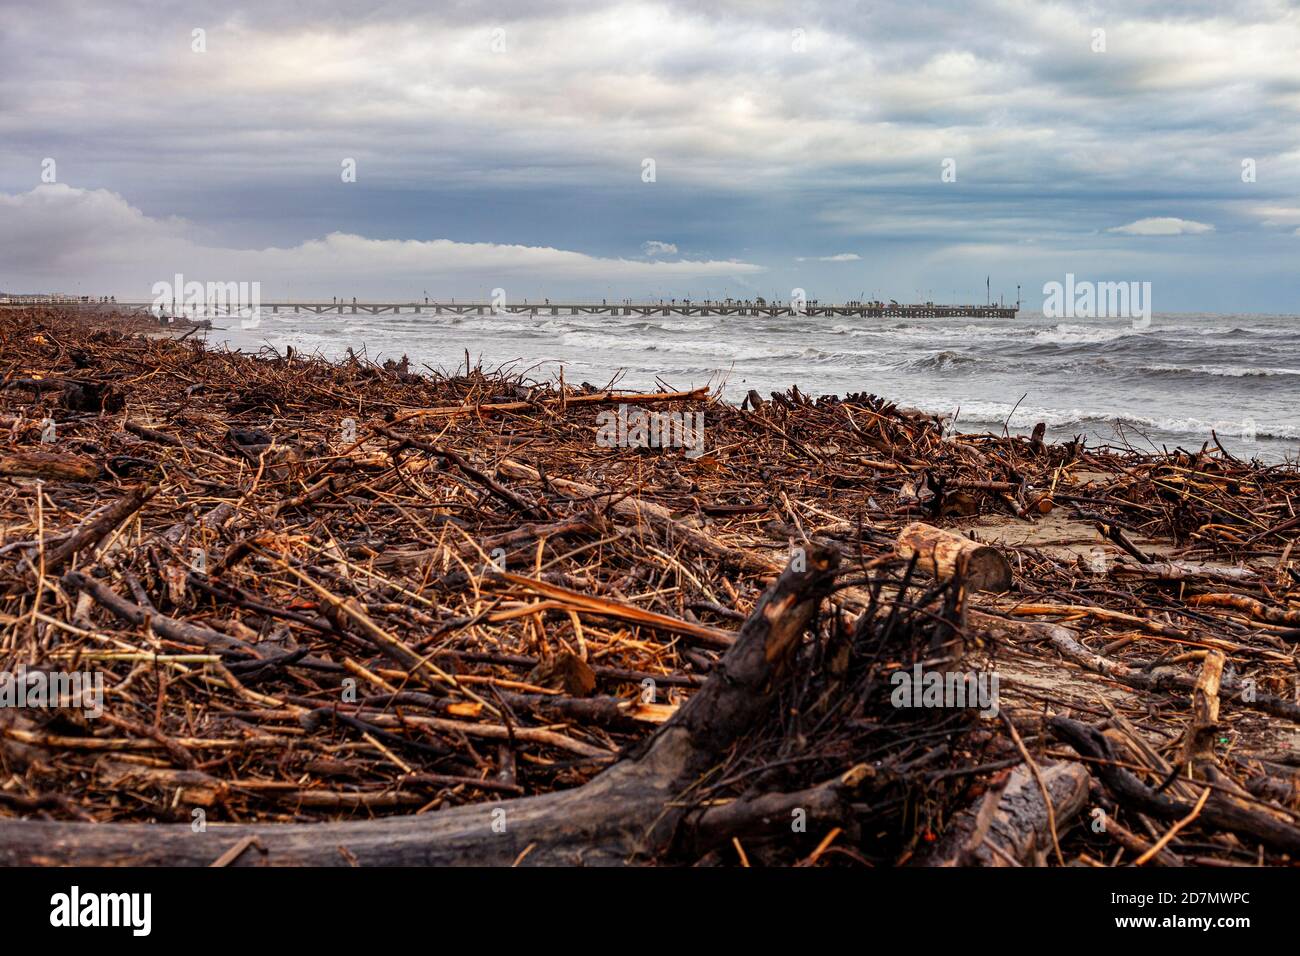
[(166, 626), (600, 398), (1137, 845), (1224, 810), (49, 465), (1249, 606), (91, 532), (943, 555), (1198, 742), (646, 512), (698, 633), (1009, 826), (992, 627)]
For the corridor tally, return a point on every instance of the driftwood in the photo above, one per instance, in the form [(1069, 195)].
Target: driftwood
[(1010, 825), (164, 625), (600, 398), (1222, 809), (48, 465), (91, 532), (943, 555), (624, 813), (352, 593), (657, 516)]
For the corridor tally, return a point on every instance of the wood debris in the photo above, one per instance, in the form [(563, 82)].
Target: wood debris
[(345, 613)]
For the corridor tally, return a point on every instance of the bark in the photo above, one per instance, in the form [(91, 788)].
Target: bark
[(1009, 826), (943, 555), (48, 465)]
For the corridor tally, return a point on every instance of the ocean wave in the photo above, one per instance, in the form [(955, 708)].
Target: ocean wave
[(1075, 333), (1181, 375), (1066, 333), (947, 359), (1216, 371), (995, 413), (715, 350), (970, 331)]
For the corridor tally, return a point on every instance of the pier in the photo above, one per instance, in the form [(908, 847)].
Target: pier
[(866, 310)]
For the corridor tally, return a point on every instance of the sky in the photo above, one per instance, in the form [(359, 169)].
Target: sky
[(653, 150)]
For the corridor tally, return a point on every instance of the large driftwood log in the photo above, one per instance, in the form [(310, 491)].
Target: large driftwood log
[(1009, 826), (943, 555), (48, 465), (629, 812)]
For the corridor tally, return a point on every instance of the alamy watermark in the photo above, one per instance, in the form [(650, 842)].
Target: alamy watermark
[(48, 689), (951, 689), (130, 910), (638, 428), (243, 299), (1090, 300)]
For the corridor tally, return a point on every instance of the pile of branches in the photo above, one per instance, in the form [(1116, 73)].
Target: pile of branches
[(351, 612)]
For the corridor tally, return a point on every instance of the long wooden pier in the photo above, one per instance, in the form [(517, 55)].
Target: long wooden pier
[(869, 310)]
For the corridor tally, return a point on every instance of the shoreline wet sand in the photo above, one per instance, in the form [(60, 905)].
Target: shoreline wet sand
[(344, 612)]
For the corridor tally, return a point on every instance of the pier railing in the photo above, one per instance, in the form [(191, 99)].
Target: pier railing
[(544, 308)]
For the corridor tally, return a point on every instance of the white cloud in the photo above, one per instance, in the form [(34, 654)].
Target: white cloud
[(1163, 226), (58, 235), (653, 247), (838, 257), (1272, 216)]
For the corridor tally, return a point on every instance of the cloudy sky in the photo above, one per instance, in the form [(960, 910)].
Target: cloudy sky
[(882, 149)]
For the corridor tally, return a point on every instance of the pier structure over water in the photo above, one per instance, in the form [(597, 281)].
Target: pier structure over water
[(867, 310)]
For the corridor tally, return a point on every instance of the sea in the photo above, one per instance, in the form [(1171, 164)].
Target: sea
[(1164, 382)]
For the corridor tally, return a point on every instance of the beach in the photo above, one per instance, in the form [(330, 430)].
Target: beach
[(414, 606)]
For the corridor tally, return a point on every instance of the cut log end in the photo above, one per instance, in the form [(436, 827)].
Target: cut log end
[(942, 555)]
